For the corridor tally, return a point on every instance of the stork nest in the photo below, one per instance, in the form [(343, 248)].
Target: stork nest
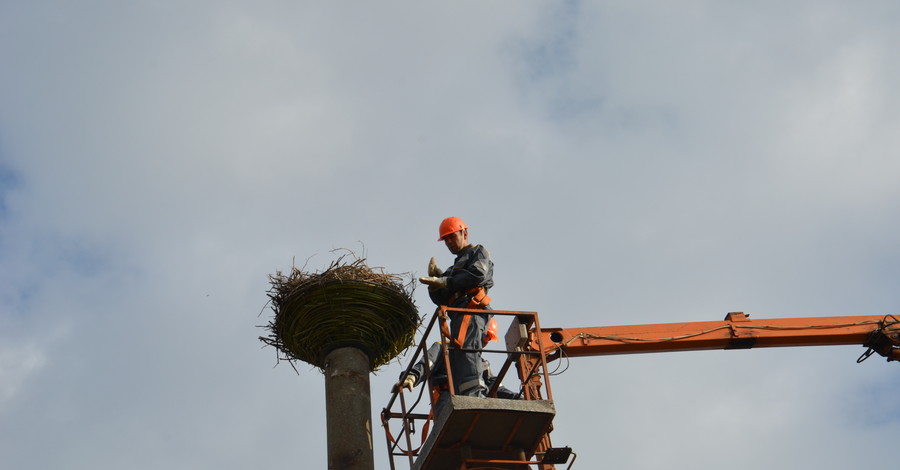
[(347, 305)]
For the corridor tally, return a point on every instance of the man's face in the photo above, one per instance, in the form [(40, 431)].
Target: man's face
[(456, 241)]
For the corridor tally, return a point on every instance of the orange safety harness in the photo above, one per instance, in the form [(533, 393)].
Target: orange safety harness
[(479, 301)]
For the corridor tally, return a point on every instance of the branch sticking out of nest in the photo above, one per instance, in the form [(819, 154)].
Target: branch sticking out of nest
[(347, 305)]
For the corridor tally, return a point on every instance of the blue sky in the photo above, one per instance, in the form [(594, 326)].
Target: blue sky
[(624, 162)]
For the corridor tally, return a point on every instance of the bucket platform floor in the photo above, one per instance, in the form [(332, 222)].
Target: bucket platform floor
[(485, 429)]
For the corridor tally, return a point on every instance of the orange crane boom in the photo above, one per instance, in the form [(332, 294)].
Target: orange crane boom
[(881, 334), (469, 432)]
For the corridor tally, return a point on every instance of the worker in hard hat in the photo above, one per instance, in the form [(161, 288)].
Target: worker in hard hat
[(439, 375), (463, 285)]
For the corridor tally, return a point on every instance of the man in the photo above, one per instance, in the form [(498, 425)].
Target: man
[(463, 285)]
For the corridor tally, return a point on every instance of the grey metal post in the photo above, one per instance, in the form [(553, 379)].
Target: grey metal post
[(348, 410)]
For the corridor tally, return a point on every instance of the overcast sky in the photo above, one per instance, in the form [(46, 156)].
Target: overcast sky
[(624, 162)]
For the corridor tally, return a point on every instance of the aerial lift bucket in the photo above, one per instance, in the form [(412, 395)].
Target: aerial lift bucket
[(483, 433)]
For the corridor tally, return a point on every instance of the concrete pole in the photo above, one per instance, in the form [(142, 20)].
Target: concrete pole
[(348, 410)]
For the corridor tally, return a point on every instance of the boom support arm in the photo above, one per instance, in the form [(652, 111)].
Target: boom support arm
[(880, 334)]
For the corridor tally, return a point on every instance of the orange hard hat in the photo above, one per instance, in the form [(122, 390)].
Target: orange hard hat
[(450, 225), (491, 333)]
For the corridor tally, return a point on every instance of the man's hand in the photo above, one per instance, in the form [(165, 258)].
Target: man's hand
[(407, 383), (439, 282), (433, 269)]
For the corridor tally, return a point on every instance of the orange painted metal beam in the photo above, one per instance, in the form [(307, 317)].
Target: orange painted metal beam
[(737, 331)]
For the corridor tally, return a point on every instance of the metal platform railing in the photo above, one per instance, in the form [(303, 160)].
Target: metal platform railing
[(459, 432)]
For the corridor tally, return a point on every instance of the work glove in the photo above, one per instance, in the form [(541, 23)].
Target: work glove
[(409, 382), (433, 269), (439, 282)]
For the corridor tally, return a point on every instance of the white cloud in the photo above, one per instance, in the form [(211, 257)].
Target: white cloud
[(624, 163), (17, 364)]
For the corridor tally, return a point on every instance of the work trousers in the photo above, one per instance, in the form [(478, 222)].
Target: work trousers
[(466, 367)]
